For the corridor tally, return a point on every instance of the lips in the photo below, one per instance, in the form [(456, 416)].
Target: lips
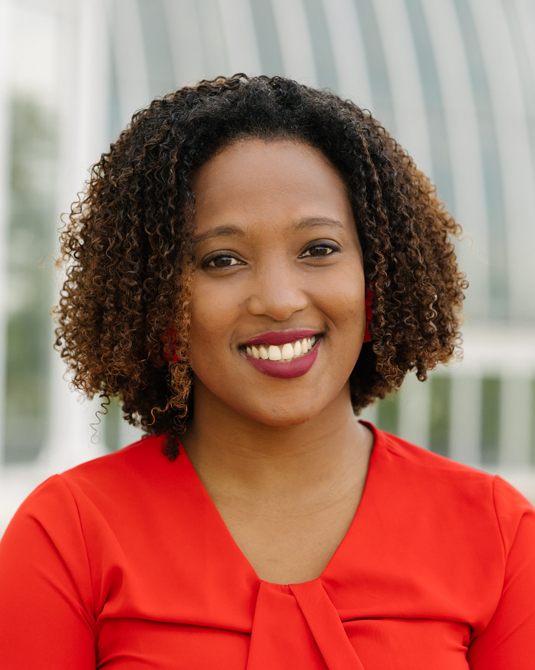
[(283, 354), (277, 337)]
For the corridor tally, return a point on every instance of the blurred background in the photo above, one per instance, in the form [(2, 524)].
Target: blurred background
[(452, 80)]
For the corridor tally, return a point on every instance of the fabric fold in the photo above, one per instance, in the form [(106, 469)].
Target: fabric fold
[(281, 638), (326, 626)]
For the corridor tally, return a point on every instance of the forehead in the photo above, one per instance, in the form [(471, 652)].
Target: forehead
[(255, 180)]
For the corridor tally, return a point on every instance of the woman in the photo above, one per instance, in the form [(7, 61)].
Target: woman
[(254, 262)]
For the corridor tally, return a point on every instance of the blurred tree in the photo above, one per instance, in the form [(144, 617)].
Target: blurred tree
[(490, 419), (388, 413), (440, 419), (30, 276)]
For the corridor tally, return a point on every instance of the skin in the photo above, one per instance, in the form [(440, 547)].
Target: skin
[(284, 460)]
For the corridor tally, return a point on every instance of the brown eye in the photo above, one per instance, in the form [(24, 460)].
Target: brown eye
[(221, 262), (318, 251)]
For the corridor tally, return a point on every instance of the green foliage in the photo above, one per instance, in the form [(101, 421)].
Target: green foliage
[(388, 413), (439, 428), (490, 420), (30, 277)]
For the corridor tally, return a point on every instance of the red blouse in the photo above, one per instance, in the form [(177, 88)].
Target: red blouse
[(124, 562)]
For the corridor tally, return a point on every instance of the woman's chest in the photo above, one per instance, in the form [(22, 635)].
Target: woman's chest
[(292, 545), (204, 609), (373, 644)]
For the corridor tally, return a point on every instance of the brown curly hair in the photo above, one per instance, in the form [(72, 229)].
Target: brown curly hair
[(128, 244)]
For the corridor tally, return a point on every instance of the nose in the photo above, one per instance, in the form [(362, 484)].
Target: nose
[(277, 291)]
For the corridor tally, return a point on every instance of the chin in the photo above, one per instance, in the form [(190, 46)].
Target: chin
[(284, 417)]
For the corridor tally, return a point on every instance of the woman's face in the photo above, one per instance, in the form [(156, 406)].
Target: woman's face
[(277, 311)]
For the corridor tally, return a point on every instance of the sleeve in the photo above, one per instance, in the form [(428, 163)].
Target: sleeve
[(508, 642), (47, 618)]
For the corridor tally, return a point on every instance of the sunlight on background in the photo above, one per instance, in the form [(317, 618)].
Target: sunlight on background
[(452, 80)]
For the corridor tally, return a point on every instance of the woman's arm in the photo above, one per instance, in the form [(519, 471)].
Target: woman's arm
[(47, 618), (508, 642)]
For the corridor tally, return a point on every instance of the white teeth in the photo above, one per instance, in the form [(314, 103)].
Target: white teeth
[(287, 352), (274, 353)]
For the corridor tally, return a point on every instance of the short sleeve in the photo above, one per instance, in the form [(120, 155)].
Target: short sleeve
[(508, 642), (46, 604)]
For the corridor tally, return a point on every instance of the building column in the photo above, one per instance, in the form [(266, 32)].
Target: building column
[(84, 73), (5, 155)]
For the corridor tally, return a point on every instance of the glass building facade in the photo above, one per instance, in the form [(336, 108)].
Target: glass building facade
[(452, 80)]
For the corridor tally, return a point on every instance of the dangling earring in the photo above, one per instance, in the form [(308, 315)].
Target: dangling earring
[(169, 337), (369, 314)]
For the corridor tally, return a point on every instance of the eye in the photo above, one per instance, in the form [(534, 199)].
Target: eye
[(221, 261), (319, 251)]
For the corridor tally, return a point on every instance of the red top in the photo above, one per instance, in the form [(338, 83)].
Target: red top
[(124, 562)]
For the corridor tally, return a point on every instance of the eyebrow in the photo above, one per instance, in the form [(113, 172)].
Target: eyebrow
[(312, 221), (219, 231), (230, 230)]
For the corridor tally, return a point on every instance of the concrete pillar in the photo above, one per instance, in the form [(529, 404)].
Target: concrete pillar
[(414, 411), (465, 426), (84, 62), (515, 423), (4, 183)]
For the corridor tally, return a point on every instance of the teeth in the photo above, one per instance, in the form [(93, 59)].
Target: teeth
[(286, 352), (274, 353)]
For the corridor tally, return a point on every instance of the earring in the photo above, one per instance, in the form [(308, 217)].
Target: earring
[(169, 337), (369, 314)]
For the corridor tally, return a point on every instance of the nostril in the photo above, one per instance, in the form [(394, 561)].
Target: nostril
[(278, 306)]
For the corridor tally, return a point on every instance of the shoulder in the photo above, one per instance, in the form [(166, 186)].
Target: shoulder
[(144, 457), (423, 460), (431, 468), (146, 453), (453, 524), (120, 479), (438, 487), (125, 482)]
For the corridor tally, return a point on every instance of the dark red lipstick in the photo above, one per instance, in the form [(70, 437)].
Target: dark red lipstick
[(278, 337), (284, 369)]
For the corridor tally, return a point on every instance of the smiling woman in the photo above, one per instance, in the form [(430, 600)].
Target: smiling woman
[(140, 211), (254, 262)]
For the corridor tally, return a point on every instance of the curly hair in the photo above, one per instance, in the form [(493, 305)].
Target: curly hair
[(128, 244)]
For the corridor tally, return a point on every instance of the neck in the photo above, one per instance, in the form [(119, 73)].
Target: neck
[(229, 449)]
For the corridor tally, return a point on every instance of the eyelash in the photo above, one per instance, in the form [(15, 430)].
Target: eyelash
[(333, 248), (207, 263)]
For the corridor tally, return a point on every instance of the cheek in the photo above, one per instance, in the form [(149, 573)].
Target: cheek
[(212, 314), (343, 300)]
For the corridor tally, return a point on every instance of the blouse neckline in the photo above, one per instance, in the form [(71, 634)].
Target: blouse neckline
[(349, 538)]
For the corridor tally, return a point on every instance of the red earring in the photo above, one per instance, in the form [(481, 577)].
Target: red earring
[(369, 314), (169, 337)]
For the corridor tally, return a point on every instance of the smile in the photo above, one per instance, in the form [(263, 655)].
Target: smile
[(284, 355), (286, 352)]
